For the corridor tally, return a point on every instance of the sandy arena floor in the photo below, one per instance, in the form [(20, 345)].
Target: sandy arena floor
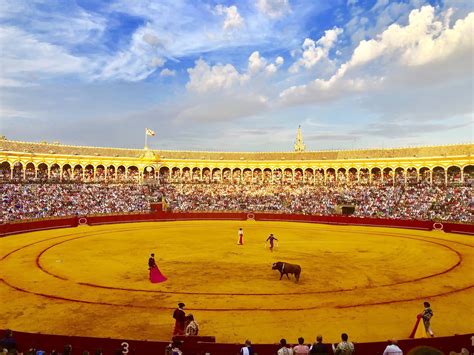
[(368, 282)]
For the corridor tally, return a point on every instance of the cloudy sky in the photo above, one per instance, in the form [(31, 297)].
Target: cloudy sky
[(237, 75)]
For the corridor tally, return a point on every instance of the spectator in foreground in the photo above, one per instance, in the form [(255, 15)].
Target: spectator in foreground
[(345, 347), (319, 347), (8, 342), (392, 348), (247, 349), (301, 349), (284, 350), (192, 328), (67, 349)]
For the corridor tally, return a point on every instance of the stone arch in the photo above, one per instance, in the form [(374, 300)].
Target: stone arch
[(319, 174), (236, 175), (247, 176), (424, 174), (438, 174), (5, 171), (376, 175), (364, 176), (111, 172), (88, 173), (100, 172), (298, 175), (149, 173), (121, 173), (206, 175), (227, 175), (186, 174), (66, 173), (133, 173), (216, 175), (17, 171), (257, 176), (196, 175), (288, 176), (352, 175), (308, 176), (399, 176), (387, 175), (454, 175), (164, 174), (30, 171), (412, 176), (55, 171), (468, 174), (277, 176), (330, 176), (267, 176), (176, 174), (77, 172), (341, 176)]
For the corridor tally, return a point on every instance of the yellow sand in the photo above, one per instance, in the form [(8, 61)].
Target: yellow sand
[(383, 272)]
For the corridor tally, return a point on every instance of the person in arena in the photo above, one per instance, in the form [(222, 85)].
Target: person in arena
[(155, 274), (271, 240), (427, 314), (241, 237), (180, 318)]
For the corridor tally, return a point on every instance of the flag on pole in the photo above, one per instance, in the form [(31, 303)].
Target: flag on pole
[(150, 132)]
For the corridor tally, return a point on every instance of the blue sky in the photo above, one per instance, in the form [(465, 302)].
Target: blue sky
[(237, 75)]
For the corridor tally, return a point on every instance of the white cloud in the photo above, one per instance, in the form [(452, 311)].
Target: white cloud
[(204, 78), (400, 54), (314, 52), (256, 63), (167, 72), (26, 59), (233, 19), (273, 8), (136, 62), (69, 29)]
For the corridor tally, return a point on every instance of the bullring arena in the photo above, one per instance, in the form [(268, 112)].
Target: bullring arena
[(86, 275)]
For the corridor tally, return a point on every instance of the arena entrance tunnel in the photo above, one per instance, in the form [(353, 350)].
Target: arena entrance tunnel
[(369, 282)]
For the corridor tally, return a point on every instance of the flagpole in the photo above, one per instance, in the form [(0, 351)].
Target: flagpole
[(146, 139)]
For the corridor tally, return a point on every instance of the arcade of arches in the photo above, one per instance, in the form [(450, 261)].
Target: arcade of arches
[(440, 175)]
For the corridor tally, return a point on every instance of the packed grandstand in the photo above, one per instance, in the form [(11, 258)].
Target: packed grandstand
[(435, 183)]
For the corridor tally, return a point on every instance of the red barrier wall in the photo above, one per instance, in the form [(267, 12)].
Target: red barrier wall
[(43, 224), (46, 342), (37, 225)]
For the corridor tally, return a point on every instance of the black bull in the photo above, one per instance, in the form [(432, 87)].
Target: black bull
[(286, 268)]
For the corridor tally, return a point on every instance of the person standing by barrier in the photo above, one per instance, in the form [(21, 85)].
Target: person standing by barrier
[(180, 318), (427, 314), (345, 347), (247, 349), (393, 349)]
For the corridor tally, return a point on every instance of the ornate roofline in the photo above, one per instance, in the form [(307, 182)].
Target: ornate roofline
[(242, 152)]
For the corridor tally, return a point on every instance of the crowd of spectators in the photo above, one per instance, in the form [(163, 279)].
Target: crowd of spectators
[(421, 202), (29, 201)]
